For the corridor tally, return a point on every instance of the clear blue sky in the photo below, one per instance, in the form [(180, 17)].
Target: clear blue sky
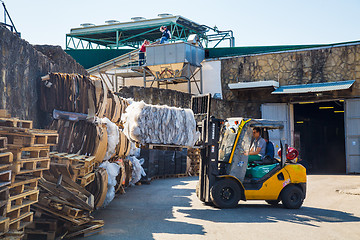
[(255, 23)]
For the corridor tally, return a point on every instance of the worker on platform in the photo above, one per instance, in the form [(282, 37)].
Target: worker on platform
[(258, 146), (142, 52), (166, 35)]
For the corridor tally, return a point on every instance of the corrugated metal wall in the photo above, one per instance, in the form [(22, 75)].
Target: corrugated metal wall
[(282, 112), (352, 135)]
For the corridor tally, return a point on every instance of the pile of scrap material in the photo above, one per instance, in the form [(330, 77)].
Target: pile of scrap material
[(155, 124), (86, 115), (80, 94), (65, 204), (23, 159)]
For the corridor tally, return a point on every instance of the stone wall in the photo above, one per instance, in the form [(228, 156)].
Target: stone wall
[(21, 69), (295, 67), (219, 108)]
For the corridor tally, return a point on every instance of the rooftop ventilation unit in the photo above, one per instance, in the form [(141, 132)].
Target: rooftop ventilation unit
[(87, 25), (111, 22), (164, 15), (137, 18)]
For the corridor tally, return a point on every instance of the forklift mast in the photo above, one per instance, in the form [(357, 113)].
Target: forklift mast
[(209, 128)]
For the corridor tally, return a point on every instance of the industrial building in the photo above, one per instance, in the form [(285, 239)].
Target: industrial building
[(315, 89)]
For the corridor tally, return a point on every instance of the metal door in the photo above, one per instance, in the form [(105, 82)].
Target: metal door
[(352, 135), (281, 112)]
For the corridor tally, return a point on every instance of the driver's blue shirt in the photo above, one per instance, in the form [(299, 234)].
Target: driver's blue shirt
[(260, 142)]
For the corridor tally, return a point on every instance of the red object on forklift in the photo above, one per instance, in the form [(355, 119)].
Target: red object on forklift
[(292, 153)]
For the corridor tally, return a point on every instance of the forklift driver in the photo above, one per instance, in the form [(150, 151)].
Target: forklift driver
[(258, 146)]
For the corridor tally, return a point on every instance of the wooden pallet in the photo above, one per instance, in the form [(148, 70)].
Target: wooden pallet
[(72, 158), (21, 222), (16, 213), (14, 122), (4, 225), (34, 174), (63, 209), (21, 185), (30, 139), (84, 181), (82, 171), (73, 212), (22, 200), (25, 153), (30, 166), (46, 210), (86, 230)]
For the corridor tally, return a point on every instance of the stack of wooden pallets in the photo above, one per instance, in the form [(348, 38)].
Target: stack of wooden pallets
[(23, 159), (66, 203), (194, 155), (82, 167), (6, 159)]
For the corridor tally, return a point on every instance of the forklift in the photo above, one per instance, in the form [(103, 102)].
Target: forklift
[(227, 175)]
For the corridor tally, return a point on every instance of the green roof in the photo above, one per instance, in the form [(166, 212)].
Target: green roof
[(90, 58), (242, 51)]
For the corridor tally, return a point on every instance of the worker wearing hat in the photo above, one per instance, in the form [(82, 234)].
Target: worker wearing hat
[(166, 35)]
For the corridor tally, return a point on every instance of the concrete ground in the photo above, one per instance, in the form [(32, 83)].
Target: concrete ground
[(169, 209)]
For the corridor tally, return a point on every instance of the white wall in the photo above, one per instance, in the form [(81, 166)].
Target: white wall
[(212, 77)]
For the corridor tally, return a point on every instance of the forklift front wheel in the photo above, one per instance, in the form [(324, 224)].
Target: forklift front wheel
[(292, 197), (225, 193)]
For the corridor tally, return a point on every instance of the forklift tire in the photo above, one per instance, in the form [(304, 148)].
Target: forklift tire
[(292, 197), (273, 202), (225, 193)]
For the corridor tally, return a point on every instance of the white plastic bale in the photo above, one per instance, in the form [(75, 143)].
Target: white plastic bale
[(113, 136), (146, 123), (112, 169), (134, 151), (138, 170)]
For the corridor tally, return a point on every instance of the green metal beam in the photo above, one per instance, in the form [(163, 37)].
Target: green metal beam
[(138, 35)]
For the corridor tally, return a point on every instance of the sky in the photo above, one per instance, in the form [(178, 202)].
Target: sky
[(254, 23)]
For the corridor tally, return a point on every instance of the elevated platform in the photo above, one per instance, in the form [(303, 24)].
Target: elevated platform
[(116, 34)]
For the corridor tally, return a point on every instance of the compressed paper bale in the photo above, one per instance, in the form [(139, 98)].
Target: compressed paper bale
[(146, 123)]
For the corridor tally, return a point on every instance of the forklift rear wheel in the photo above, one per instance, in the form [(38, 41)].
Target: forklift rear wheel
[(273, 202), (225, 193), (292, 197)]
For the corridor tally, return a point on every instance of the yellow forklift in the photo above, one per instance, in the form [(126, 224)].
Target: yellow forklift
[(226, 175)]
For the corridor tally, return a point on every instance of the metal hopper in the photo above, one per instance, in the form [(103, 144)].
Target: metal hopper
[(175, 62)]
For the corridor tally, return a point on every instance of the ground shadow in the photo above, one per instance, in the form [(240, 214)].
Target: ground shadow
[(262, 213), (144, 210)]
